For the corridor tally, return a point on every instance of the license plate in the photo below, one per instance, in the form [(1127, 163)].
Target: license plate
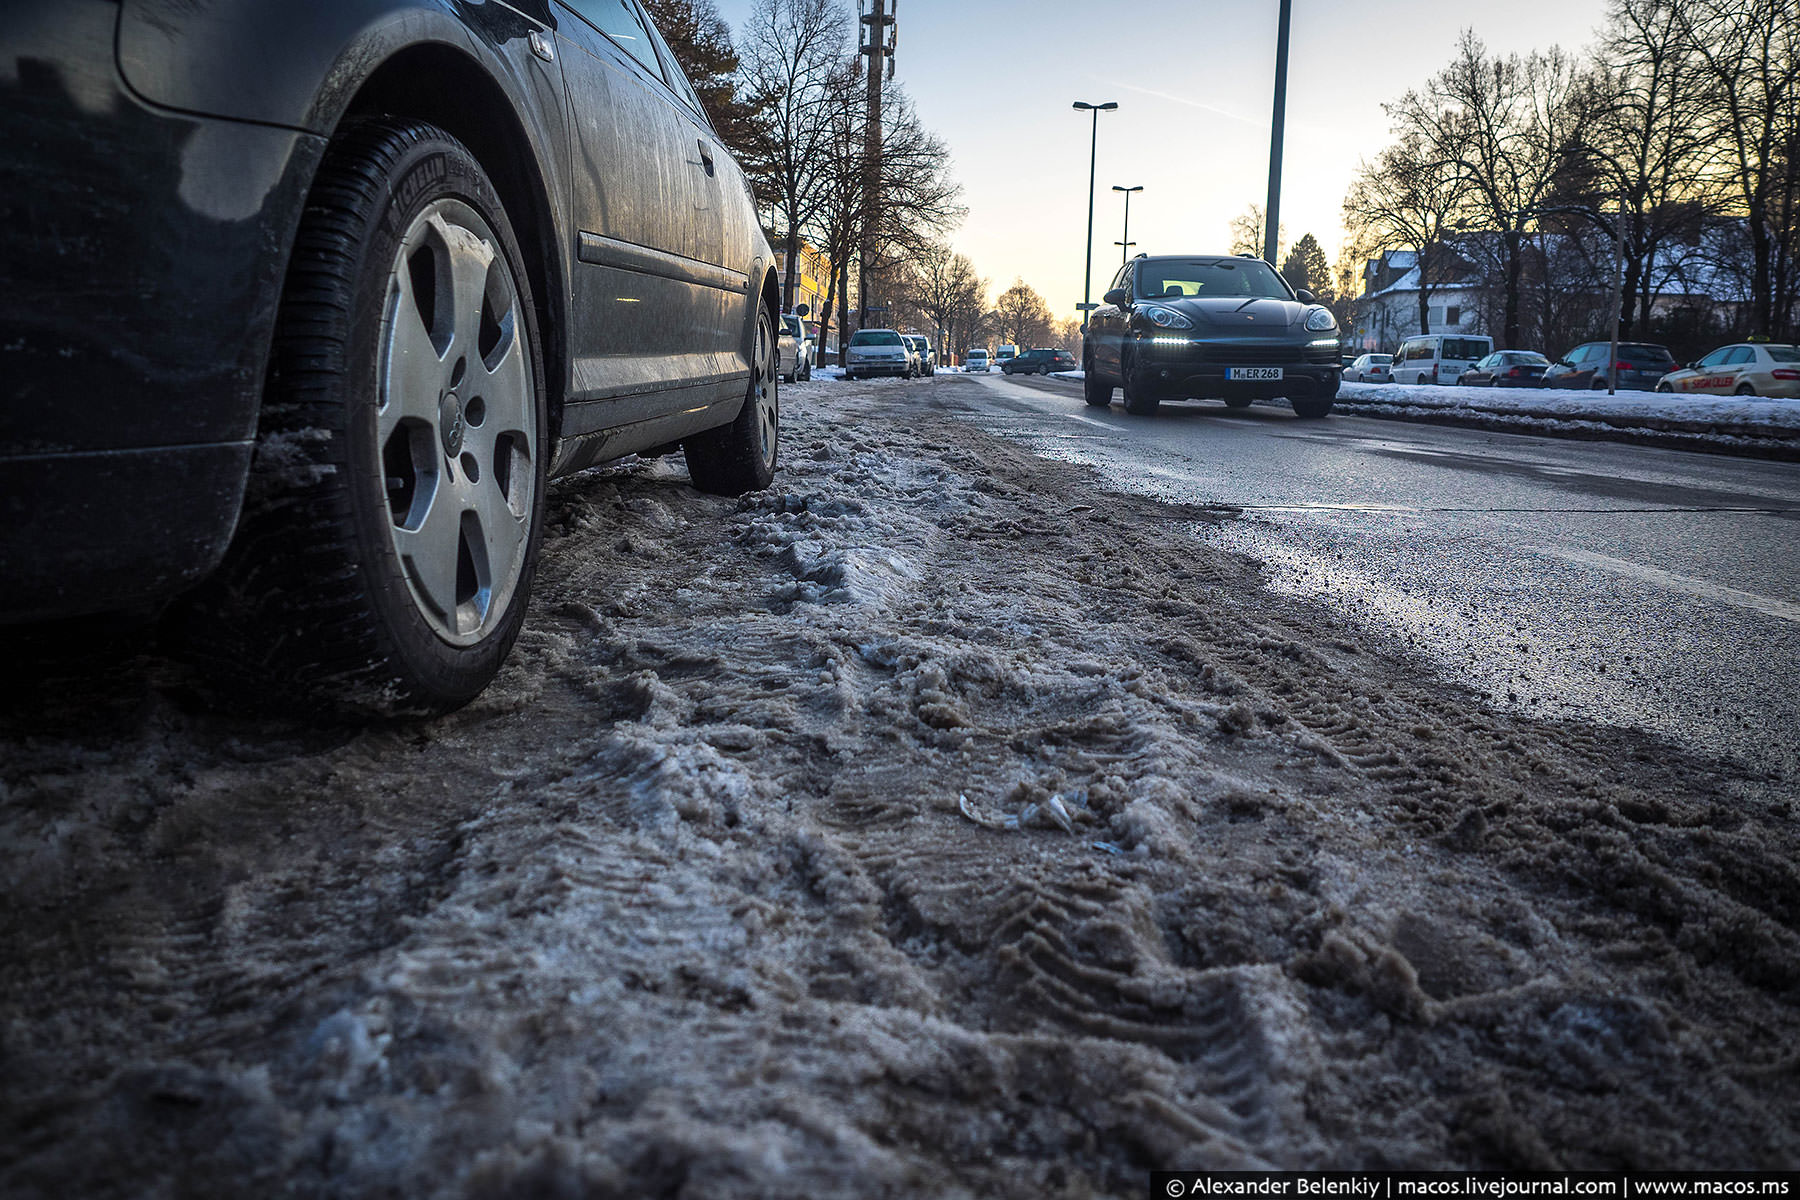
[(1254, 374)]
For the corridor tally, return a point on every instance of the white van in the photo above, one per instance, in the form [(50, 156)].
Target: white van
[(1006, 353), (1439, 357)]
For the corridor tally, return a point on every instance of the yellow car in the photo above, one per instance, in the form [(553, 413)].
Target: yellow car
[(1747, 369)]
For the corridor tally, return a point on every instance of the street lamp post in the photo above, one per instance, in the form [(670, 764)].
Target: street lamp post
[(1278, 127), (1087, 281), (1127, 243)]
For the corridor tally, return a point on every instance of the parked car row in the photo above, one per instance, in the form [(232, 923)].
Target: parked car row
[(889, 352), (1742, 369)]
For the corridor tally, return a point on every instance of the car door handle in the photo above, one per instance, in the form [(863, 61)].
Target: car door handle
[(706, 157)]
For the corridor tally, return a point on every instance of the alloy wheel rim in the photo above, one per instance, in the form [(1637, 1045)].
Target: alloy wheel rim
[(768, 413), (456, 422)]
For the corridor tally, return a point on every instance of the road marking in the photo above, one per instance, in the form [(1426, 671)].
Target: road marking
[(1090, 421), (1781, 609)]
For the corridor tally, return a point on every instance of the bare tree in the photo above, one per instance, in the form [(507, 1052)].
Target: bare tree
[(792, 48), (1643, 137), (1409, 199), (1506, 127), (1750, 52), (920, 202), (836, 221), (1249, 228), (945, 288), (1022, 317)]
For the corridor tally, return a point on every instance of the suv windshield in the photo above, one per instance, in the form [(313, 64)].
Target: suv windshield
[(1627, 352), (1187, 277), (875, 337)]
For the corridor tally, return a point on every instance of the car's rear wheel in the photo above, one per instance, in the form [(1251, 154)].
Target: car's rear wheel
[(384, 558), (1745, 389), (742, 456)]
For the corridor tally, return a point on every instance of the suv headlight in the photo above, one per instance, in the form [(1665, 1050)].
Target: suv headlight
[(1164, 318), (1320, 320)]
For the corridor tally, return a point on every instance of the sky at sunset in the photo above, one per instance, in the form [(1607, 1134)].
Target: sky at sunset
[(1195, 84)]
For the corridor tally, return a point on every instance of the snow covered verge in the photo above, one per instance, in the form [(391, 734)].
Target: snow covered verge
[(933, 825), (1731, 425), (1723, 425)]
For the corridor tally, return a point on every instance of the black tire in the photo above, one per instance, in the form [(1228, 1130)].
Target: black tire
[(1312, 408), (742, 456), (1137, 402), (1665, 389), (1745, 389), (315, 608), (1096, 391)]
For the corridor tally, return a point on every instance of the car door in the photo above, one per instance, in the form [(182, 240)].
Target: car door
[(1709, 376), (1738, 363), (648, 301), (1106, 328)]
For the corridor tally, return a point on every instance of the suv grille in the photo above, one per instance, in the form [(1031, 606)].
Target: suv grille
[(1250, 355)]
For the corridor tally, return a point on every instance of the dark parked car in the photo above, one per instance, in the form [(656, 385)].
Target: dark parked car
[(1192, 326), (302, 302), (1641, 366), (1506, 368), (1039, 362)]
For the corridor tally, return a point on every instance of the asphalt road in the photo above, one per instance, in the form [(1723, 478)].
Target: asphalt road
[(1590, 581)]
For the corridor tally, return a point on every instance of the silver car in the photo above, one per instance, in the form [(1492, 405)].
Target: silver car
[(797, 349), (875, 352)]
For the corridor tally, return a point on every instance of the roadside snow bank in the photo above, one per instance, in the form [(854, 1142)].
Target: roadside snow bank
[(1730, 425)]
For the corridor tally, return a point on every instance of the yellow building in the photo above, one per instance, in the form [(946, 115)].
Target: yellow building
[(812, 281)]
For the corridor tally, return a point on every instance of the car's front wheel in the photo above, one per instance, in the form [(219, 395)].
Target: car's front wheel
[(1139, 401), (385, 554), (1094, 390), (741, 457)]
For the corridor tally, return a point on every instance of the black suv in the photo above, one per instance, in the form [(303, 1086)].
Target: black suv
[(1187, 326), (303, 302), (1641, 366), (1039, 362)]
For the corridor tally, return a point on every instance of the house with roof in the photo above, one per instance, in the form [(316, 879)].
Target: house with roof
[(1389, 307)]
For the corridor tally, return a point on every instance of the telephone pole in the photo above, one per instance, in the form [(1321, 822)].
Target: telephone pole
[(878, 41)]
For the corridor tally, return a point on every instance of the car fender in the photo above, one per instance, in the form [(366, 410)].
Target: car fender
[(296, 64)]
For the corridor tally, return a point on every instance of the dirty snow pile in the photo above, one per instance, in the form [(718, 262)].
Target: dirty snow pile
[(912, 829)]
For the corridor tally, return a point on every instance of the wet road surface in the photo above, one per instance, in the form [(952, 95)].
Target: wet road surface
[(1591, 581)]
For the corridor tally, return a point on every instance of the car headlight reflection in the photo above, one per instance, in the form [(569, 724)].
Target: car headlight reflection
[(1164, 318)]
